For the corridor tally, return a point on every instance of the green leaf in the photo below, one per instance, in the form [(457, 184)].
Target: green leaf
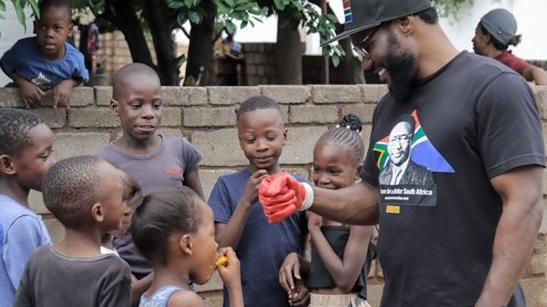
[(279, 5), (34, 7), (230, 26), (194, 17), (182, 18), (2, 6), (230, 3), (19, 9), (244, 23), (335, 60), (175, 4), (222, 8)]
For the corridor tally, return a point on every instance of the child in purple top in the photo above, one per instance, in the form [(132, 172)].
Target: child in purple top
[(46, 61), (151, 159), (25, 147)]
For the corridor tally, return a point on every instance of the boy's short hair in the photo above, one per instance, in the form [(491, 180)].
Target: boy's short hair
[(73, 185), (15, 126), (44, 5), (256, 103), (161, 214), (120, 76)]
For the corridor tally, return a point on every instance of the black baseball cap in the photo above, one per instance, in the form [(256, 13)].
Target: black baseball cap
[(362, 15)]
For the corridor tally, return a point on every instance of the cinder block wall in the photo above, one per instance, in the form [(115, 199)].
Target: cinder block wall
[(206, 117)]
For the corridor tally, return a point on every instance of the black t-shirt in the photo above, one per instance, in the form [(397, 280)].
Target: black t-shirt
[(52, 279), (432, 158)]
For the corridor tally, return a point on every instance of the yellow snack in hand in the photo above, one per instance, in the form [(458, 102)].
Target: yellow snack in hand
[(222, 261)]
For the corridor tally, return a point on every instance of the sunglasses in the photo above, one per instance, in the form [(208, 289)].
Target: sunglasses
[(361, 48)]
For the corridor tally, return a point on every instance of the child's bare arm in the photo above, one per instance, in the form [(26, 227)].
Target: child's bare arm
[(63, 91), (292, 269), (230, 233), (31, 94), (139, 286), (343, 271), (192, 181), (231, 276)]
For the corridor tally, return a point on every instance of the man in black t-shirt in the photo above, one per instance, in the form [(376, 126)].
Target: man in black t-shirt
[(464, 237)]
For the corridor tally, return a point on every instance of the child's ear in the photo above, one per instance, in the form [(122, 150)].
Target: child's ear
[(97, 212), (185, 244), (114, 105), (358, 172), (285, 136), (6, 165)]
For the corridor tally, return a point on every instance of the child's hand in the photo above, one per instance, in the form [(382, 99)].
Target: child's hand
[(62, 93), (230, 273), (31, 94), (250, 195), (289, 271), (300, 296), (314, 221)]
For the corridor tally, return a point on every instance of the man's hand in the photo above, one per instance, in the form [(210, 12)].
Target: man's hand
[(62, 93), (31, 94), (282, 195)]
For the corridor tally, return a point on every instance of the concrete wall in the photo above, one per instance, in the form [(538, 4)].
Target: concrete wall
[(206, 117)]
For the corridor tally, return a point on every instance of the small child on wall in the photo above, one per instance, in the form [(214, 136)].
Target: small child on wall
[(46, 61)]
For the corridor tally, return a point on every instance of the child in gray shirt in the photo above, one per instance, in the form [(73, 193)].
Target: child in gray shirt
[(88, 196)]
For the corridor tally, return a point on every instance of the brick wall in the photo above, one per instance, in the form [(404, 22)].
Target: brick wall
[(206, 117), (259, 63)]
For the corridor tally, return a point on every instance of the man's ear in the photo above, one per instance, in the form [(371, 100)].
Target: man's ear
[(487, 38), (186, 245), (406, 25), (6, 165), (97, 212)]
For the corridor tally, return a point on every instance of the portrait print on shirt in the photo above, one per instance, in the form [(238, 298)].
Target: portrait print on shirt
[(407, 161)]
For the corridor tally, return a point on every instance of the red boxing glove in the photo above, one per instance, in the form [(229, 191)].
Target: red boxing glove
[(282, 195)]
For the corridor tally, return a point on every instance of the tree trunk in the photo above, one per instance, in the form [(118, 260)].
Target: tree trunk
[(288, 49), (161, 26), (122, 14), (200, 51), (350, 67)]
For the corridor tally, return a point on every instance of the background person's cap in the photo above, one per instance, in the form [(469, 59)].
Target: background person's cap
[(361, 15), (501, 25)]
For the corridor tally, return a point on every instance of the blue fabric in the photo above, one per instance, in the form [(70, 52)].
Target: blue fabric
[(24, 59), (23, 232), (160, 298), (262, 247)]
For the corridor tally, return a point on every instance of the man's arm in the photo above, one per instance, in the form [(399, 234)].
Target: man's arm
[(521, 194), (536, 74), (356, 204)]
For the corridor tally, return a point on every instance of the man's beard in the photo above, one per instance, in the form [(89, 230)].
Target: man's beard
[(402, 66)]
